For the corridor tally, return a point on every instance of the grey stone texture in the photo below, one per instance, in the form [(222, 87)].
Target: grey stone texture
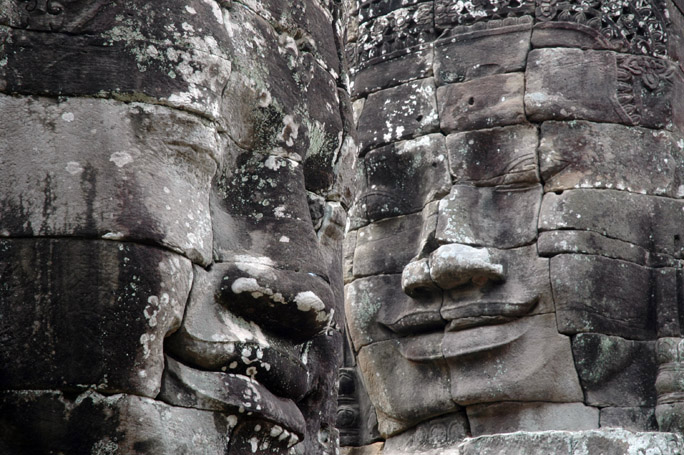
[(175, 180), (529, 288)]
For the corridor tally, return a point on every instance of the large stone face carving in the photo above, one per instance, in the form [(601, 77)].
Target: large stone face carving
[(525, 278), (171, 226)]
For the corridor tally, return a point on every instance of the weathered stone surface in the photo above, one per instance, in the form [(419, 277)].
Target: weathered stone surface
[(632, 419), (217, 391), (388, 374), (383, 236), (392, 72), (522, 289), (609, 87), (97, 168), (127, 53), (93, 314), (401, 178), (500, 217), (374, 303), (508, 417), (398, 113), (602, 155), (533, 362), (349, 249), (598, 294), (551, 243), (486, 102), (373, 449), (654, 223), (371, 9), (466, 53), (50, 422), (574, 443), (614, 371), (434, 435), (497, 156)]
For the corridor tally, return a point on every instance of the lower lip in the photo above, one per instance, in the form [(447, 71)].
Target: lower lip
[(449, 345)]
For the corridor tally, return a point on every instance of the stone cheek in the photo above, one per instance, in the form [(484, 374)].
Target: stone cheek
[(87, 327)]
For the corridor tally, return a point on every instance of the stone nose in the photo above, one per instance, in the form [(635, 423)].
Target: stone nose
[(451, 266)]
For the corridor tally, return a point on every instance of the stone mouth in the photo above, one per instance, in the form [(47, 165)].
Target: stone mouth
[(464, 315), (452, 344)]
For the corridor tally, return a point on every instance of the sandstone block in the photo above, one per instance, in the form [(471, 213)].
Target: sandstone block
[(391, 72), (97, 168), (466, 53), (432, 436), (551, 243), (403, 177), (574, 443), (602, 86), (496, 156), (602, 155), (486, 102), (632, 419), (499, 217), (92, 314), (376, 245), (509, 417), (398, 113), (534, 363), (388, 374), (598, 294), (98, 424), (614, 371)]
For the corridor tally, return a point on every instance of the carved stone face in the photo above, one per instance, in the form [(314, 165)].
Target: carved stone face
[(171, 225), (514, 245)]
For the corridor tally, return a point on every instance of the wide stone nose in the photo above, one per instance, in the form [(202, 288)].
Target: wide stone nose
[(451, 266)]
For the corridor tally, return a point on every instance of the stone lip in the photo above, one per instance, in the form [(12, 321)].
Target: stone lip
[(452, 344)]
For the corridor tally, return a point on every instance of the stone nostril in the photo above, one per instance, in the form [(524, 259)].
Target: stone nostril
[(415, 278)]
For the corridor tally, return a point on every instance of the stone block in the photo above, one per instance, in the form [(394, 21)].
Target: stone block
[(123, 50), (509, 417), (92, 313), (632, 419), (403, 177), (373, 449), (398, 113), (388, 375), (496, 156), (96, 168), (369, 9), (523, 360), (432, 436), (499, 217), (551, 243), (601, 86), (592, 442), (485, 102), (391, 72), (602, 155), (373, 304), (466, 53), (523, 290), (348, 260), (614, 371), (377, 248), (49, 422), (653, 223), (599, 294)]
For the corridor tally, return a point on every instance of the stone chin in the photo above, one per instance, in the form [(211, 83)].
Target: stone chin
[(522, 360)]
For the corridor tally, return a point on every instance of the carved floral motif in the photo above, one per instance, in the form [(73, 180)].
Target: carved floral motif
[(62, 15), (638, 77)]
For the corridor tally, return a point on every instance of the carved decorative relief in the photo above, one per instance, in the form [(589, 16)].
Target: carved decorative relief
[(348, 415), (640, 77), (62, 16), (401, 29), (637, 26)]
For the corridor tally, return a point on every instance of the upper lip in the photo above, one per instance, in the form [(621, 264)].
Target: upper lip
[(459, 315)]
